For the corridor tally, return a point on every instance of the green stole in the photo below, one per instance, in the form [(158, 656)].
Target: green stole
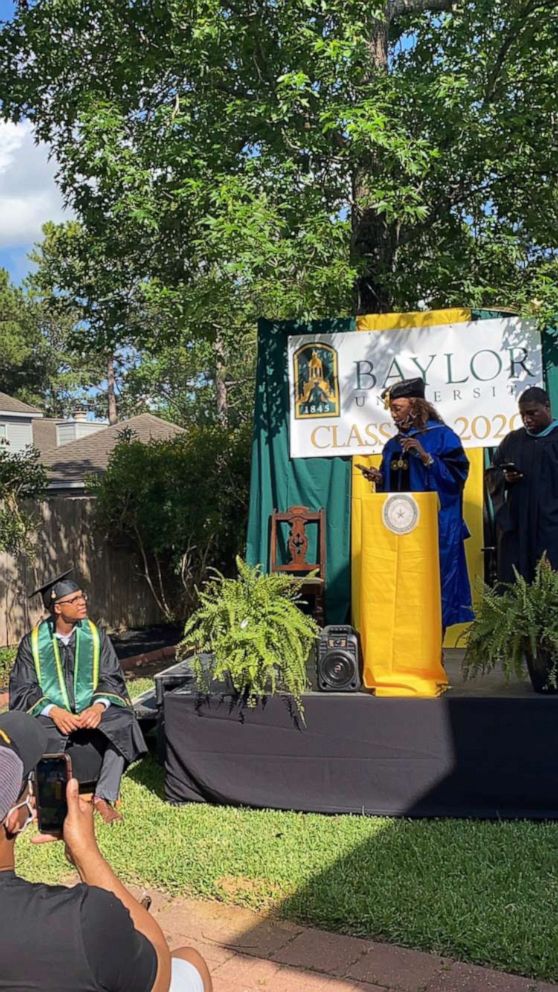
[(50, 670)]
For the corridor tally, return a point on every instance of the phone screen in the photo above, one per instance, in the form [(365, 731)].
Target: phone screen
[(51, 777)]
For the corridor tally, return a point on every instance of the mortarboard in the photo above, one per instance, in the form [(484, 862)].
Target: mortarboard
[(56, 588), (411, 388)]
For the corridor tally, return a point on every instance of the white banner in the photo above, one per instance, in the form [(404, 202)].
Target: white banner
[(474, 373)]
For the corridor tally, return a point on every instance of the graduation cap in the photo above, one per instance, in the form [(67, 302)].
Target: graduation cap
[(409, 388), (56, 588)]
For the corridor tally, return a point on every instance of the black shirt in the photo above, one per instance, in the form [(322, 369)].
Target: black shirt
[(79, 939)]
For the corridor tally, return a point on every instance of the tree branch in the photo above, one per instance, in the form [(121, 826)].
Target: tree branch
[(398, 7), (510, 37)]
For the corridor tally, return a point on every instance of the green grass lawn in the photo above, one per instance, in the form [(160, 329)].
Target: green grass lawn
[(138, 685), (479, 891)]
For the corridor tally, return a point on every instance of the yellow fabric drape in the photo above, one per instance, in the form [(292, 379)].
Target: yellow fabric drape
[(473, 496), (473, 493), (415, 318), (399, 606)]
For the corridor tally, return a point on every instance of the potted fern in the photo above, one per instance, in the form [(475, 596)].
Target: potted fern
[(254, 633), (516, 627)]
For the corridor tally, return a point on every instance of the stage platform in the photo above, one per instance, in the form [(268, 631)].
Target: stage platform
[(485, 749)]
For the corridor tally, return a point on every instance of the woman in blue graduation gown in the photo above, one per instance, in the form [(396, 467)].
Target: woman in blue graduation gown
[(427, 456)]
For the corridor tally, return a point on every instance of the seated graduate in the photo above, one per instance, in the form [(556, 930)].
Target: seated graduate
[(427, 456), (67, 674), (524, 486)]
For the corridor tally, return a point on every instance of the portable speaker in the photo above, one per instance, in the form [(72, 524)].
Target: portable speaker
[(339, 660)]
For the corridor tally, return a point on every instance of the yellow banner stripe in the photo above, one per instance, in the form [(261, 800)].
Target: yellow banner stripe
[(415, 318)]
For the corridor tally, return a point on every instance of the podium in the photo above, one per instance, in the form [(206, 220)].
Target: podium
[(396, 593)]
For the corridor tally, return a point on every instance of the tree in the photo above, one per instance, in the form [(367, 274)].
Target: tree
[(19, 375), (278, 155), (78, 287), (37, 362), (22, 478), (113, 318), (151, 494)]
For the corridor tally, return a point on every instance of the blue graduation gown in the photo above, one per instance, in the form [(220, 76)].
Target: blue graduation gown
[(446, 476)]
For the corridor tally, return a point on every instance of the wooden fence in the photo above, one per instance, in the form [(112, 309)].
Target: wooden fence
[(118, 594)]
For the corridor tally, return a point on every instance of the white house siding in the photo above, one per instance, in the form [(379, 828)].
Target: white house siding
[(18, 432), (75, 430)]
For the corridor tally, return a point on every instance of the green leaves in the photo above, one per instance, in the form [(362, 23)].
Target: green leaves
[(22, 478), (255, 633), (512, 621), (260, 157)]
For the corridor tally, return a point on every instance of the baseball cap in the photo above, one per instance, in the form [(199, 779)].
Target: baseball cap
[(22, 743)]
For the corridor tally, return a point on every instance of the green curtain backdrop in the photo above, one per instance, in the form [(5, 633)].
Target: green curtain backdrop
[(279, 482), (550, 365)]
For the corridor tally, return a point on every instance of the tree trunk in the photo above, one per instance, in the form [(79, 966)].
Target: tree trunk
[(372, 240), (111, 392), (220, 380), (375, 241)]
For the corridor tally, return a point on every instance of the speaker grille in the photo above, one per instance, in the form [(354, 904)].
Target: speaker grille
[(338, 660), (338, 669)]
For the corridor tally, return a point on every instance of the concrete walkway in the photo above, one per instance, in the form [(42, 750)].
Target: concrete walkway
[(251, 953)]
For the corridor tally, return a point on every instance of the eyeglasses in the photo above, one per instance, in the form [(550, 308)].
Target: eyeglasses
[(80, 598)]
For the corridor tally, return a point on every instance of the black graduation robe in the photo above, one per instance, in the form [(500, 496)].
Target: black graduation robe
[(118, 723), (526, 511)]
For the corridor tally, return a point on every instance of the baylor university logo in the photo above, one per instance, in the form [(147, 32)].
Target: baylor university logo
[(316, 381)]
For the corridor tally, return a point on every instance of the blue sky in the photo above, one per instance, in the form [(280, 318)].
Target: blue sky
[(28, 193)]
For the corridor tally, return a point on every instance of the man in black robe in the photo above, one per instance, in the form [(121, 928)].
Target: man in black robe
[(524, 486), (67, 674)]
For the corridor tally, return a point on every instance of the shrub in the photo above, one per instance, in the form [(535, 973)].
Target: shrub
[(182, 504), (22, 478), (7, 658)]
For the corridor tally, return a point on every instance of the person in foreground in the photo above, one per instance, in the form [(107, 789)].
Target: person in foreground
[(525, 489), (67, 674), (427, 456), (93, 936)]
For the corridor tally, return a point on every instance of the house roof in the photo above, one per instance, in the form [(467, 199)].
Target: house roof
[(44, 434), (14, 408), (69, 464)]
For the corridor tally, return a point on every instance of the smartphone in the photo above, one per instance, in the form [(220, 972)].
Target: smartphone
[(51, 778)]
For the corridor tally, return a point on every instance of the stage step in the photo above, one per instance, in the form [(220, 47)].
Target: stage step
[(145, 706)]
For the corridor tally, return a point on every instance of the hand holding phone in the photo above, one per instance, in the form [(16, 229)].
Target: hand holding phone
[(51, 778), (511, 471), (370, 473)]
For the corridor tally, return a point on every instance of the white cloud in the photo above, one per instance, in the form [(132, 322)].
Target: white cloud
[(28, 193)]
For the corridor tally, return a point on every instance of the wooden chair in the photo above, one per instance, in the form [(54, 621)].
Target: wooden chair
[(297, 518)]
